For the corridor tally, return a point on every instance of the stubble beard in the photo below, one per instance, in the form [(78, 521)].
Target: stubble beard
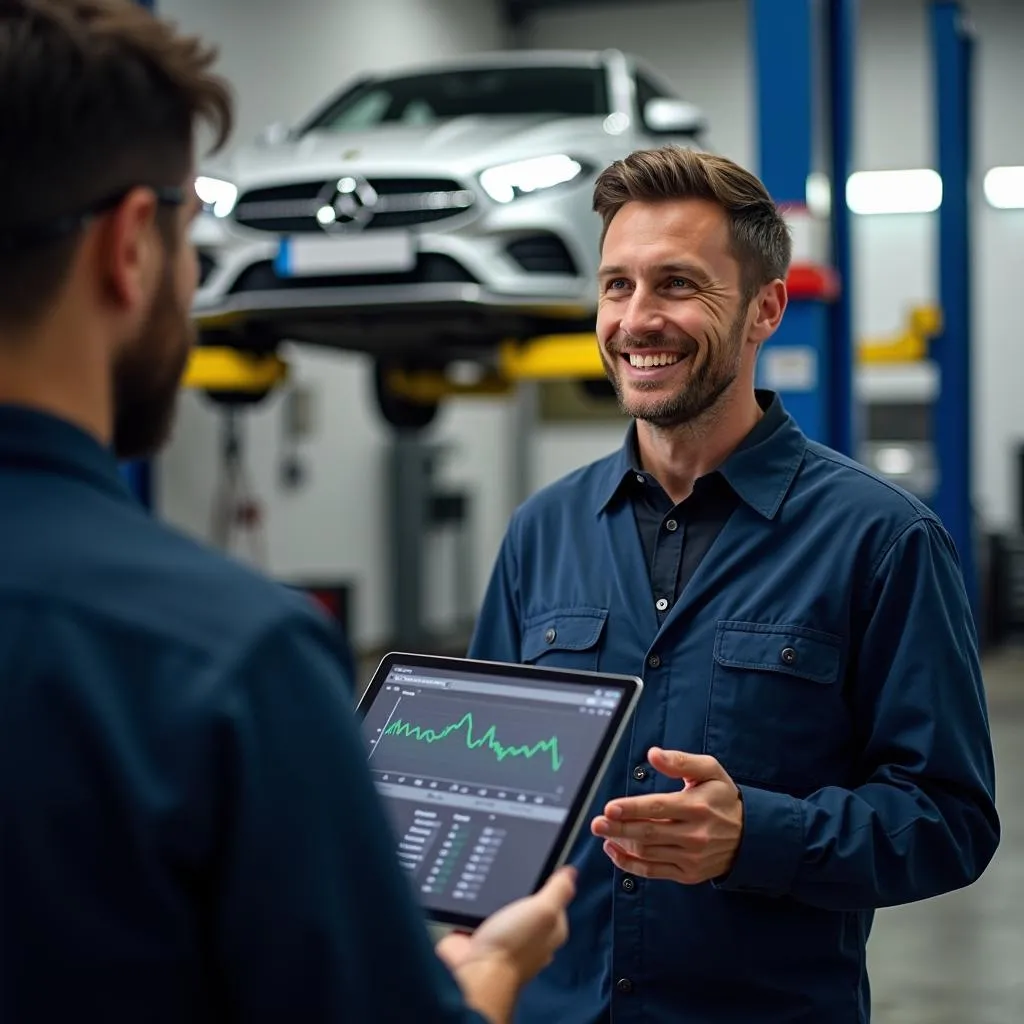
[(696, 398)]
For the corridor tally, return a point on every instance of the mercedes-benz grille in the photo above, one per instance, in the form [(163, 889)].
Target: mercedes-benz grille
[(352, 204)]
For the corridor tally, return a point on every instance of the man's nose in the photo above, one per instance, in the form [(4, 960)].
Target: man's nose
[(643, 315)]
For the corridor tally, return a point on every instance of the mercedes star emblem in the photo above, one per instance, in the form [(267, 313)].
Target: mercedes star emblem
[(348, 205)]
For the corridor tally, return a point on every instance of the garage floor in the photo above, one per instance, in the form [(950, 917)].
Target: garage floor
[(959, 959)]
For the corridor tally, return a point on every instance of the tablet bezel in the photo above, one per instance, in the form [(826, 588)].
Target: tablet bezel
[(558, 853)]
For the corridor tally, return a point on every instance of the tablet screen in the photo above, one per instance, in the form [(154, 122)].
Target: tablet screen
[(486, 771)]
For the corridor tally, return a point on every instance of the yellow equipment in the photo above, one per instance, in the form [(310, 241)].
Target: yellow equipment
[(223, 370), (551, 357), (910, 346)]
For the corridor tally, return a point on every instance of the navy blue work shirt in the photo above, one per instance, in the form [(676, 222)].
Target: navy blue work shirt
[(188, 828), (823, 651)]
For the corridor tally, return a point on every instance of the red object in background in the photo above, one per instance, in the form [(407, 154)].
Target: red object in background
[(329, 599), (811, 281), (333, 598)]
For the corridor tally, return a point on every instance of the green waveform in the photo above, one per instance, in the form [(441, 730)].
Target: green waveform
[(489, 739)]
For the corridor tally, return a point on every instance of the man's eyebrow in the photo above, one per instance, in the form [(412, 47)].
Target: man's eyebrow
[(683, 269)]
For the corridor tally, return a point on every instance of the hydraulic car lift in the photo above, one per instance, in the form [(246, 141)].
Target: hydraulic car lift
[(551, 357)]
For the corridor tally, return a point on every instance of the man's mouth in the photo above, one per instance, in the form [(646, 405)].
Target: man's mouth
[(647, 361)]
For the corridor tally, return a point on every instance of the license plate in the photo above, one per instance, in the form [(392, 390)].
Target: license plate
[(390, 251)]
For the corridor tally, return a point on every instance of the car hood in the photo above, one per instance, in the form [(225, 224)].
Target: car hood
[(462, 145)]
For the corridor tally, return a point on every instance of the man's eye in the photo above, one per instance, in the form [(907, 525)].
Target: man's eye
[(616, 283), (680, 282)]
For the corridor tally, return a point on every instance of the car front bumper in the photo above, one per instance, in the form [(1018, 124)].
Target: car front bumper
[(477, 278)]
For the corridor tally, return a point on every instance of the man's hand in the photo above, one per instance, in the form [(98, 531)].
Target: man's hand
[(690, 836), (511, 947)]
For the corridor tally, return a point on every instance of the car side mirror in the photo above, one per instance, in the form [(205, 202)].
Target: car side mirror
[(673, 117), (274, 134)]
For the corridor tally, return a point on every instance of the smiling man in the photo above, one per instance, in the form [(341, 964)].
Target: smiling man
[(813, 739)]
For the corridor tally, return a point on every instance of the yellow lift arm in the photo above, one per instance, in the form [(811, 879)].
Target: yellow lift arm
[(550, 357), (227, 369)]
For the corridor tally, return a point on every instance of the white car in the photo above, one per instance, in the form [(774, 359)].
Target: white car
[(428, 215)]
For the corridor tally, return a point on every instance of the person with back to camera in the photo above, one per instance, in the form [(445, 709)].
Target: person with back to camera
[(813, 739), (188, 828)]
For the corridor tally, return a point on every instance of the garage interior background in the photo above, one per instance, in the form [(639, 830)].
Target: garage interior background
[(285, 58)]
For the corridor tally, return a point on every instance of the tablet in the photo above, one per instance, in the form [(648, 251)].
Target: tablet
[(488, 771)]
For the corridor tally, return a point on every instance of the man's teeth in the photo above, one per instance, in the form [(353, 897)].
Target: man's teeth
[(646, 362)]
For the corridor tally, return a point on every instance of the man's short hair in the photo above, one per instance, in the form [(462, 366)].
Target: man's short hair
[(760, 237), (96, 97)]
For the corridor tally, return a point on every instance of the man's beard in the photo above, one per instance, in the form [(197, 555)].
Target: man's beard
[(705, 387), (148, 374)]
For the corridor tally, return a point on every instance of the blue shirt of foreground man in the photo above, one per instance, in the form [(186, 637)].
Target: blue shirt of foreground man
[(188, 829), (812, 742)]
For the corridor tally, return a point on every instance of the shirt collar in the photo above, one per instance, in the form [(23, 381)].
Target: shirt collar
[(39, 440), (760, 470)]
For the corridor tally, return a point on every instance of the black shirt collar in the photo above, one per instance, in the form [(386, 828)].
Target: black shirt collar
[(759, 470)]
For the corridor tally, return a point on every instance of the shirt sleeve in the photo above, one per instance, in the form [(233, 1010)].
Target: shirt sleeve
[(313, 918), (497, 634), (922, 820)]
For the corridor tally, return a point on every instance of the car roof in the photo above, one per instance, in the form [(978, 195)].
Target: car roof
[(503, 58)]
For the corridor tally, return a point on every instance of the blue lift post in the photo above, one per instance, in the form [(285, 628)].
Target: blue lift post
[(139, 475), (842, 19), (803, 48), (953, 51)]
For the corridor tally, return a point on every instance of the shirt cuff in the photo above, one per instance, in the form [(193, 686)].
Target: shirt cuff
[(771, 846)]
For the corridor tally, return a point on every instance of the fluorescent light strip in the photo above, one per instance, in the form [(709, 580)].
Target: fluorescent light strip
[(819, 194), (1004, 188), (912, 191)]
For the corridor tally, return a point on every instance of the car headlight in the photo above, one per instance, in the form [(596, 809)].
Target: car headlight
[(217, 196), (510, 181)]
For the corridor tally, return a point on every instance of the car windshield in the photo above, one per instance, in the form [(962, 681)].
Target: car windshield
[(428, 98)]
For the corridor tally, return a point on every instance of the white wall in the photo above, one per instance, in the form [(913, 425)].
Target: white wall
[(999, 258), (282, 58), (704, 46)]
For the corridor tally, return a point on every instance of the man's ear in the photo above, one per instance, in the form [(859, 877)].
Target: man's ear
[(770, 305), (129, 251)]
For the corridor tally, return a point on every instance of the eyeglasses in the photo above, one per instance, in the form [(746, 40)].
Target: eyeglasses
[(30, 235)]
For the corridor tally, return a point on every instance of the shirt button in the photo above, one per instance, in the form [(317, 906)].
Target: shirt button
[(640, 478), (654, 661), (788, 655), (639, 773), (671, 526), (628, 885), (662, 604), (550, 635), (624, 985)]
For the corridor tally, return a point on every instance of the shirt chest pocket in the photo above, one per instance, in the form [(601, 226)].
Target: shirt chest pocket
[(564, 638), (776, 713)]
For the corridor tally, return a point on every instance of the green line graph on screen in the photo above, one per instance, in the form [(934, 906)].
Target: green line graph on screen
[(487, 740)]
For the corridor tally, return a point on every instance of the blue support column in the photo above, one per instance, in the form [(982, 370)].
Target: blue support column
[(784, 46), (788, 45), (952, 350), (842, 33)]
